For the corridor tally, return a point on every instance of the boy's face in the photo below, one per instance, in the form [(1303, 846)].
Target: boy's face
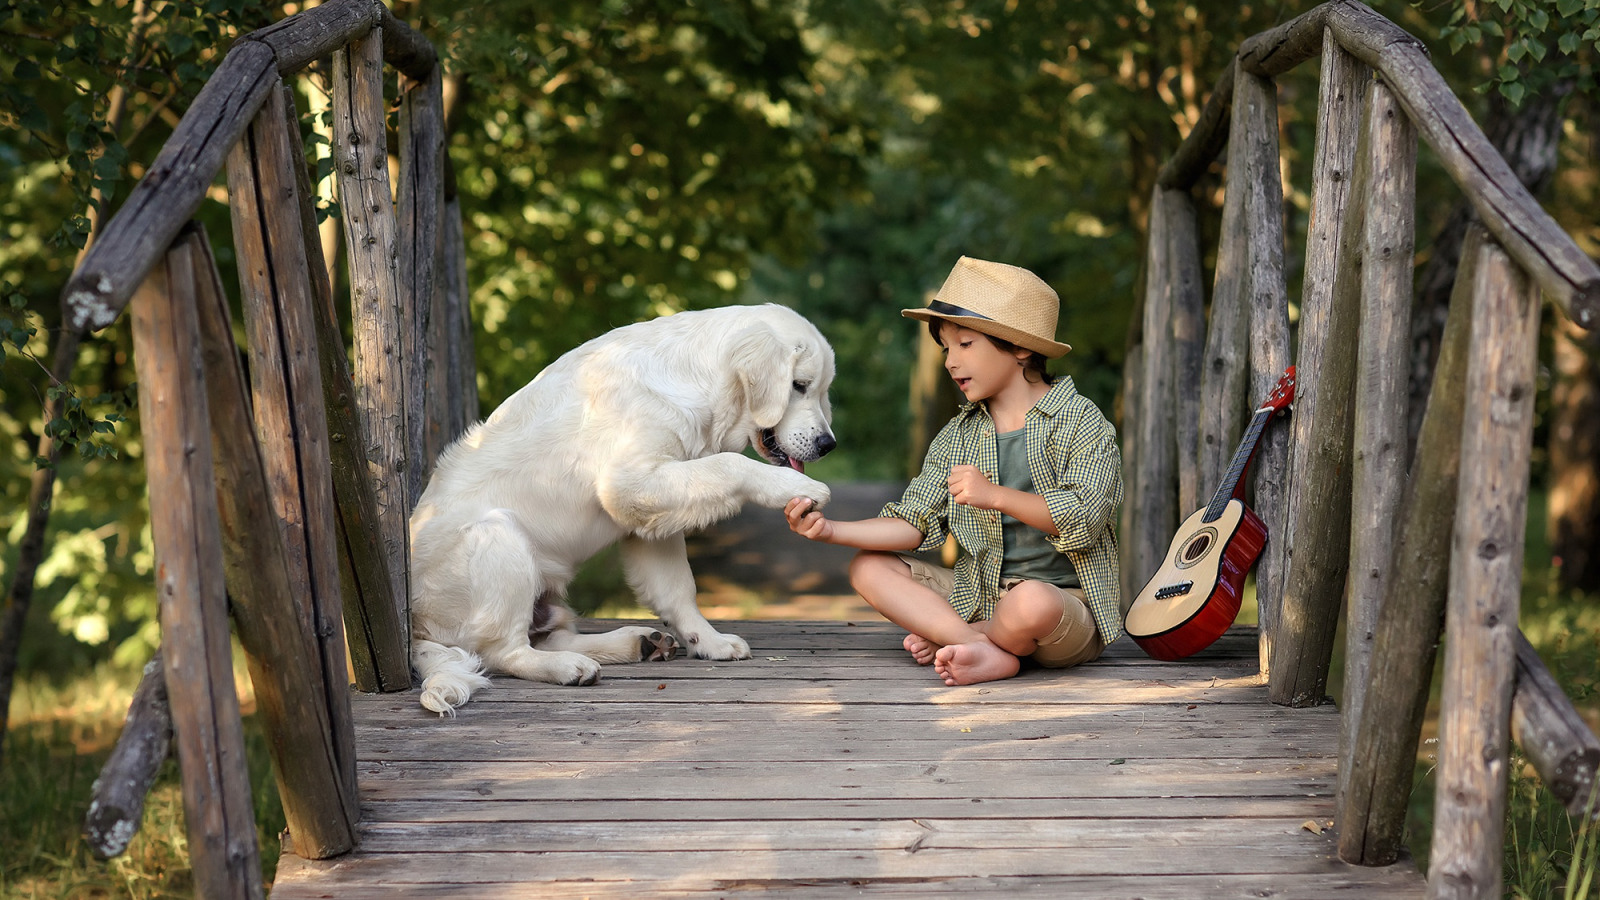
[(980, 369)]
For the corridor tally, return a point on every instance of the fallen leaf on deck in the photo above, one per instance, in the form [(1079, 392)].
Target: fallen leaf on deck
[(966, 731), (1312, 827), (1118, 761)]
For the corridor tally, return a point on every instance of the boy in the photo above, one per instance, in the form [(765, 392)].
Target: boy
[(1027, 477)]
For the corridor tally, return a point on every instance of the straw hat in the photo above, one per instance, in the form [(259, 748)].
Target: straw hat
[(1007, 302)]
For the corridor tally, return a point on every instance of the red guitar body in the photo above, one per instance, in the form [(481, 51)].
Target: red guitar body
[(1194, 597)]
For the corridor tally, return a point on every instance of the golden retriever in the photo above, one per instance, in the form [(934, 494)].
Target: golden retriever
[(637, 436)]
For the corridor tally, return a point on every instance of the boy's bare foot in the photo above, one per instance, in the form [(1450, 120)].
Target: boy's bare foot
[(920, 648), (974, 662)]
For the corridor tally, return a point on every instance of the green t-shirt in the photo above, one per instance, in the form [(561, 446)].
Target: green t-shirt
[(1028, 554)]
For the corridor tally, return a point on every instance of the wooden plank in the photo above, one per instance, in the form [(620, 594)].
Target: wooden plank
[(1187, 327), (280, 648), (1319, 489), (190, 585), (275, 278), (461, 355), (810, 780), (1154, 494), (1255, 107), (1244, 836), (1378, 775), (171, 190), (1307, 806), (1320, 886), (361, 167), (374, 633), (418, 207), (715, 871), (1485, 582), (1383, 361), (1319, 565)]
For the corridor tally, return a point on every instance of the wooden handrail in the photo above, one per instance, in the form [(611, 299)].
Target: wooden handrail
[(1529, 234), (176, 182)]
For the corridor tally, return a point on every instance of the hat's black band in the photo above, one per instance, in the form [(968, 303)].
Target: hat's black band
[(950, 309)]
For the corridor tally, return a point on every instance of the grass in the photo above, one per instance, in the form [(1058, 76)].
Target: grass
[(61, 732)]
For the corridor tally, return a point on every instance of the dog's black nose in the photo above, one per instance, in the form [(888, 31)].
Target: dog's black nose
[(825, 443)]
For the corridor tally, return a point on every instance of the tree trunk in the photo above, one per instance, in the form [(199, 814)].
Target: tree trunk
[(1573, 519)]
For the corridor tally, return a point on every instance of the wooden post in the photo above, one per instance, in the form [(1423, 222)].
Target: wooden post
[(1380, 441), (374, 630), (1154, 493), (189, 582), (1188, 312), (1325, 389), (1550, 731), (419, 207), (377, 307), (117, 807), (275, 630), (461, 356), (1255, 105), (1485, 583), (1132, 413), (1376, 778), (286, 385)]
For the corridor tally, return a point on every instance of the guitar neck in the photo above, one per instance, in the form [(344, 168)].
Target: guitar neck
[(1232, 486)]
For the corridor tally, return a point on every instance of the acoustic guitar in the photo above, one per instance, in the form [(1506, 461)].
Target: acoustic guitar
[(1194, 596)]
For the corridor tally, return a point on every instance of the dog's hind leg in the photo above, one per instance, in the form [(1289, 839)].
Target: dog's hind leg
[(659, 573), (628, 644), (550, 666)]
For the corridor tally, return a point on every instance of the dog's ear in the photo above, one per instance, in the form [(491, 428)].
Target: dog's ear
[(765, 369)]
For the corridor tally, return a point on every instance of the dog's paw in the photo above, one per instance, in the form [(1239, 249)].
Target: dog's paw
[(715, 645), (788, 484), (657, 646), (574, 670)]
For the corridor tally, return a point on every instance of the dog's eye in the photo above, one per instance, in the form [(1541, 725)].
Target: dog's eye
[(800, 387)]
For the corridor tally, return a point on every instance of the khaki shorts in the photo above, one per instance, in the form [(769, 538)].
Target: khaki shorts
[(1075, 639)]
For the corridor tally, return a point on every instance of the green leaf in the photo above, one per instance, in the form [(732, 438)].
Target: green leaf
[(1514, 53), (1513, 92), (1493, 28), (1568, 43), (25, 70)]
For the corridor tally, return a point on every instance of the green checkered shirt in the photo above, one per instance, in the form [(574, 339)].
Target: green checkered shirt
[(1077, 469)]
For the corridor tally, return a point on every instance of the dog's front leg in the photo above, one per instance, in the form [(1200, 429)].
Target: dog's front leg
[(659, 573)]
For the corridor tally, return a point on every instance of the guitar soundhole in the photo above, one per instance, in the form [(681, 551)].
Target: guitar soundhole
[(1196, 548)]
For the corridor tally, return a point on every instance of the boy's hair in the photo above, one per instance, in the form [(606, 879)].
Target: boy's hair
[(1035, 363)]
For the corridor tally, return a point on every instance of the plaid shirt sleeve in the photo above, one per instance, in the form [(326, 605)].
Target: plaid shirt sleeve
[(927, 497), (1085, 504)]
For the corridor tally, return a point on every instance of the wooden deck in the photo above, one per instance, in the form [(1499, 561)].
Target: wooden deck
[(831, 765)]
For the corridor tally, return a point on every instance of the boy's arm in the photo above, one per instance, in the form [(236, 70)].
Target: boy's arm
[(887, 533), (969, 486)]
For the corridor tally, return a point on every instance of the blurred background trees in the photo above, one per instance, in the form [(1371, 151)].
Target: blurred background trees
[(622, 160)]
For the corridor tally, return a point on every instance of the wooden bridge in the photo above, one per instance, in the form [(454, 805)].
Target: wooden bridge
[(829, 763)]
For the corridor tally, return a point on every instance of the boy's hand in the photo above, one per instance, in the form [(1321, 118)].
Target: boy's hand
[(806, 521), (969, 487)]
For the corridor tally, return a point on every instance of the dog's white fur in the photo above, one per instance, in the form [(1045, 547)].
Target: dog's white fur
[(635, 436)]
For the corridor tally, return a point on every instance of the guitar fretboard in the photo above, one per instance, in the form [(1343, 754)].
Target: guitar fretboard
[(1241, 461)]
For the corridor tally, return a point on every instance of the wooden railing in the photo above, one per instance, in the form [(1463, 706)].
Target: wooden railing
[(1349, 522), (335, 462)]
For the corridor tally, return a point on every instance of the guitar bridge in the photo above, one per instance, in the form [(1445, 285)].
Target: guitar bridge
[(1174, 590)]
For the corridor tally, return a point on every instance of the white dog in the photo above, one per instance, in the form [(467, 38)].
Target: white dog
[(637, 435)]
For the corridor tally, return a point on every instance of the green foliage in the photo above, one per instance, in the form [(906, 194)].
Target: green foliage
[(88, 93), (1536, 43)]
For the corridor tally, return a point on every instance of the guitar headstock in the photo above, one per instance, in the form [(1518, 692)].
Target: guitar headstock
[(1283, 394)]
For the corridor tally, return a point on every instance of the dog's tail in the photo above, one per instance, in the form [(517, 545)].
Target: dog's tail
[(449, 675)]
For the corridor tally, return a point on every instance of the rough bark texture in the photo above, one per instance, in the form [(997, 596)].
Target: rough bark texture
[(116, 804), (1485, 583)]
